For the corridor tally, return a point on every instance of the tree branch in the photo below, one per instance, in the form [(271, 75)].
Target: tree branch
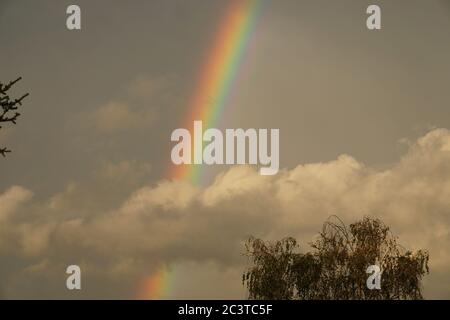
[(9, 107)]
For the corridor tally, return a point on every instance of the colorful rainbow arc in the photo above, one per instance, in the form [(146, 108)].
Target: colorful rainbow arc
[(209, 100), (219, 73)]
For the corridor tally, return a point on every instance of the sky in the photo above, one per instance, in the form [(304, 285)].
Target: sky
[(364, 130)]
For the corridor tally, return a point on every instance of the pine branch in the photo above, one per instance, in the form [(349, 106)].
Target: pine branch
[(9, 107), (4, 151)]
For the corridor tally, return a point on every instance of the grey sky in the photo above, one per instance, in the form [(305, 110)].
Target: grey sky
[(313, 70)]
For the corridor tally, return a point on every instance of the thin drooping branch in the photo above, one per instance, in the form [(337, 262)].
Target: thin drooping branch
[(9, 108), (336, 267)]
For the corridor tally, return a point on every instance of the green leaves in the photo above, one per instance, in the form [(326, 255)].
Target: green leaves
[(272, 276), (336, 267)]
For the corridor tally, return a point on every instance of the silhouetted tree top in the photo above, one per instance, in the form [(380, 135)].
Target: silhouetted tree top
[(9, 108), (336, 266)]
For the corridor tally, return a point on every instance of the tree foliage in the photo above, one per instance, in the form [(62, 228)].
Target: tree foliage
[(9, 108), (336, 266)]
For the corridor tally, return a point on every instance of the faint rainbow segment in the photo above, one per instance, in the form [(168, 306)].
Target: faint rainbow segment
[(156, 286)]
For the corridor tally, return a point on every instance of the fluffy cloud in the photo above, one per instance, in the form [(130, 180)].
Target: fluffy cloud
[(178, 224), (11, 199)]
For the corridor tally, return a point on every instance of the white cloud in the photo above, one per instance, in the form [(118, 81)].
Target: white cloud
[(11, 199), (176, 223)]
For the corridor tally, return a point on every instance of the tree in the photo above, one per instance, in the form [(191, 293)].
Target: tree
[(9, 107), (336, 266)]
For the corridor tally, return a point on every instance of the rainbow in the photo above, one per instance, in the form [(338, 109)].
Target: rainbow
[(209, 99), (219, 73), (157, 286)]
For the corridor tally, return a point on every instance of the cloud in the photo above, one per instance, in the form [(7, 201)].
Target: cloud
[(137, 108), (11, 199), (146, 87), (178, 224), (16, 234), (124, 171), (116, 117)]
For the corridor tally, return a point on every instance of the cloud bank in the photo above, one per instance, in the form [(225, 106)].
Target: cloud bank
[(117, 236)]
